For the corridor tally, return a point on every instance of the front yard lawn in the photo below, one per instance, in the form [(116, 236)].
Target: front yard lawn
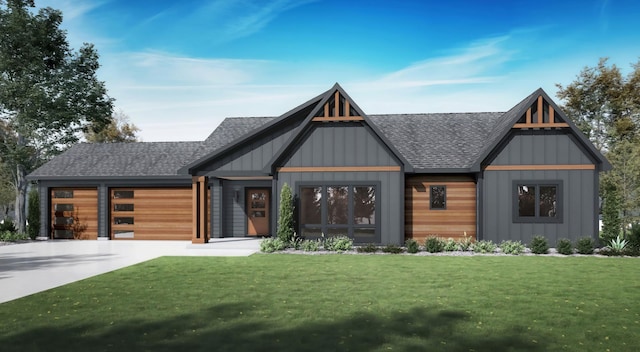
[(286, 302)]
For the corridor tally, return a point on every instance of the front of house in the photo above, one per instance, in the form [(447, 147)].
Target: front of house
[(375, 178)]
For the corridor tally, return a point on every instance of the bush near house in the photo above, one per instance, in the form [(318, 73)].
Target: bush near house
[(585, 245), (285, 215), (564, 246), (539, 245)]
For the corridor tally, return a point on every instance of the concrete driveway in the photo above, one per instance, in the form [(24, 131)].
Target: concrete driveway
[(28, 268)]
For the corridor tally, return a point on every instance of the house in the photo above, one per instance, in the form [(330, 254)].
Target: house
[(376, 178)]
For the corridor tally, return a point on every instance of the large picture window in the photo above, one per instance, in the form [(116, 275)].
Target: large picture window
[(537, 201), (339, 209)]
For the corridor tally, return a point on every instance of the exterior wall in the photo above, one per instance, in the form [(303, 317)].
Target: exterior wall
[(541, 149), (255, 155), (579, 198), (389, 198), (215, 208), (578, 206), (233, 214), (341, 145), (458, 218)]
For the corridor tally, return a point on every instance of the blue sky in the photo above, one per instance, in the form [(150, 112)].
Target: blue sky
[(177, 68)]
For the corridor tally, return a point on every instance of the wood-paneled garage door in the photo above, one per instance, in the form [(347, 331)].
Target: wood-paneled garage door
[(74, 213), (151, 213)]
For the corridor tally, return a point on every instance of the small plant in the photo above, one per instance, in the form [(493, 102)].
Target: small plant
[(338, 243), (484, 246), (412, 246), (367, 248), (392, 248), (618, 244), (466, 243), (564, 246), (270, 245), (585, 245), (433, 244), (310, 245), (539, 245), (295, 242), (7, 225), (450, 245), (512, 247), (10, 236)]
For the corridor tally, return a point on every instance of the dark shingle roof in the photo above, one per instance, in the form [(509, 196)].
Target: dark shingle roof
[(228, 131), (119, 159), (438, 141)]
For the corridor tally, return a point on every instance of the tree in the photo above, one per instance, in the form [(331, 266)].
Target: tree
[(285, 215), (49, 94), (118, 131), (34, 214), (7, 191), (606, 106)]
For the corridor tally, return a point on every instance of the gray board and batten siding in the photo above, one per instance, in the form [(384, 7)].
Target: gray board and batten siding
[(345, 145), (579, 197)]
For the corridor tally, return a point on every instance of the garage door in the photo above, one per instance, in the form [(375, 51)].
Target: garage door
[(74, 213), (151, 213)]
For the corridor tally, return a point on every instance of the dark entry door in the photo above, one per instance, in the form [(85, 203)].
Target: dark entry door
[(258, 211)]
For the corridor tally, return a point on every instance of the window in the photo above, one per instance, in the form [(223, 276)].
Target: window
[(63, 194), (123, 220), (122, 207), (339, 209), (537, 201), (438, 198), (122, 194)]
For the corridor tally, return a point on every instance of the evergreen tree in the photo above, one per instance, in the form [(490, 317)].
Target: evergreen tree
[(34, 214), (610, 212), (285, 215)]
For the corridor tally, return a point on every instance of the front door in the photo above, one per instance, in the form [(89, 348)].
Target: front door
[(258, 211)]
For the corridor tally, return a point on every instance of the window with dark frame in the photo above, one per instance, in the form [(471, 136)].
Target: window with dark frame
[(438, 197), (338, 209), (537, 202)]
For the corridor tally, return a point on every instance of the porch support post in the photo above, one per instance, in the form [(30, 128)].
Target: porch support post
[(200, 205)]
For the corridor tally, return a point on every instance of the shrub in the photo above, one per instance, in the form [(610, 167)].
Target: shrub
[(450, 245), (564, 246), (466, 243), (12, 236), (33, 218), (412, 246), (270, 245), (367, 248), (338, 243), (285, 215), (585, 245), (7, 225), (392, 248), (484, 247), (539, 245), (310, 245), (634, 237), (512, 247), (433, 244)]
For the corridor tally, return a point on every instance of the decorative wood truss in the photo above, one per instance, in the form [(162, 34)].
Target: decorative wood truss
[(338, 108), (540, 115)]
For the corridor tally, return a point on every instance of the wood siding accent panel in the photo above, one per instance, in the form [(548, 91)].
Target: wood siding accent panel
[(540, 167), (458, 217), (541, 125), (85, 204), (159, 213)]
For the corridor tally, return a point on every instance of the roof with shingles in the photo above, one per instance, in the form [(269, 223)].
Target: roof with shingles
[(119, 159), (436, 141)]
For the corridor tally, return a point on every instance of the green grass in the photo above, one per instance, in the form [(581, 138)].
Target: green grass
[(337, 302)]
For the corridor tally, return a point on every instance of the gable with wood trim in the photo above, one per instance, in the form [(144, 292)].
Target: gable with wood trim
[(375, 178)]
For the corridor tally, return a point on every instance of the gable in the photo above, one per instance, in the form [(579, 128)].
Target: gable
[(340, 145), (530, 148)]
